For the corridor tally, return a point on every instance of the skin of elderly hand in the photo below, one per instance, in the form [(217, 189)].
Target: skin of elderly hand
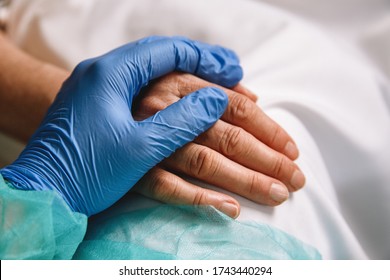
[(245, 152)]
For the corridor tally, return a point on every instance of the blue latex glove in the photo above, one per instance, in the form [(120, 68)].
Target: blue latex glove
[(90, 149)]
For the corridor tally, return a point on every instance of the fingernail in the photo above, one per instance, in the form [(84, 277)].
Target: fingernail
[(278, 192), (297, 180), (291, 150), (229, 209)]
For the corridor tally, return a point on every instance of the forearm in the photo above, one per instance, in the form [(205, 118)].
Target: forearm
[(27, 88)]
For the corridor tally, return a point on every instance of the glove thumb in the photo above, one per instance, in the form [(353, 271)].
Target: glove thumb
[(181, 122)]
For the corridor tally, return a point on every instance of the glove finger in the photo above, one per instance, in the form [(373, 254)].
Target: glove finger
[(154, 57), (179, 124), (150, 39), (219, 57)]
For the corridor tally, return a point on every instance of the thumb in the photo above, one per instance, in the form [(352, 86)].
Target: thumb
[(181, 122)]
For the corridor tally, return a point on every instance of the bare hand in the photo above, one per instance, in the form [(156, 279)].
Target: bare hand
[(245, 152)]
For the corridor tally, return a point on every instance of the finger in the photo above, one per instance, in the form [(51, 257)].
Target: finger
[(154, 58), (244, 113), (179, 124), (239, 88), (240, 146), (240, 111), (209, 166), (167, 187)]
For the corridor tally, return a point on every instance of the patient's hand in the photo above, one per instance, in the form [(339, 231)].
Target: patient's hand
[(245, 152)]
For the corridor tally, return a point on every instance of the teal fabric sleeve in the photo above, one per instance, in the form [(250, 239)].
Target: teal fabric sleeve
[(37, 225), (186, 232)]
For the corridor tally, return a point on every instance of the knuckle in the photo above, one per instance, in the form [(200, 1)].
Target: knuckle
[(275, 135), (232, 140), (240, 107), (199, 198), (254, 186), (278, 165), (163, 186), (170, 77), (147, 107), (187, 83), (202, 163), (182, 83), (170, 82), (152, 104)]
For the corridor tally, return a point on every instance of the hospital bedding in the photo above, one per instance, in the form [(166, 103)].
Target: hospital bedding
[(331, 94)]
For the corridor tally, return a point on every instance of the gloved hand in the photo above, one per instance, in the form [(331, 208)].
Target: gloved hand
[(91, 150)]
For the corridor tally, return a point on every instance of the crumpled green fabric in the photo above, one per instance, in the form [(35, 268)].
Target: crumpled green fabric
[(187, 232), (37, 225)]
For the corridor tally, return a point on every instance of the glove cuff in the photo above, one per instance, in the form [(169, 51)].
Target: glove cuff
[(22, 177)]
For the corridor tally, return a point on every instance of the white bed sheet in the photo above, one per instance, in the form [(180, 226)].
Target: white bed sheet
[(328, 90)]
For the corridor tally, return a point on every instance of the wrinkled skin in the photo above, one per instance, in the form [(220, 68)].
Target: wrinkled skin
[(245, 152)]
